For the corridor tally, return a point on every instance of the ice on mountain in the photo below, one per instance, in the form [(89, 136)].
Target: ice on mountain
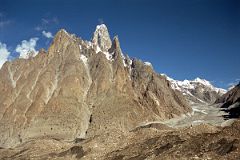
[(84, 59), (147, 63)]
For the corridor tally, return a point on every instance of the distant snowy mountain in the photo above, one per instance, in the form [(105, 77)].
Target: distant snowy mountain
[(197, 90)]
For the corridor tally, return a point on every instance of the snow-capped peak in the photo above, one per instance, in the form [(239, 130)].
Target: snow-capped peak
[(101, 38), (202, 81), (208, 84), (191, 87), (148, 63), (191, 84), (101, 26)]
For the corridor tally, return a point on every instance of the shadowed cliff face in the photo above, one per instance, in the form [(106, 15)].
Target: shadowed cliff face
[(231, 102), (80, 89)]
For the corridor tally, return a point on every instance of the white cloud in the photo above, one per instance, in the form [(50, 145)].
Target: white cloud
[(4, 53), (47, 34), (27, 48)]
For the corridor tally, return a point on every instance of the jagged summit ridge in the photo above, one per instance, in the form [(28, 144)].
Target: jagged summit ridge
[(101, 42)]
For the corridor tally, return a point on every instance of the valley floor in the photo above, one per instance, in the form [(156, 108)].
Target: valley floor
[(202, 114), (195, 136)]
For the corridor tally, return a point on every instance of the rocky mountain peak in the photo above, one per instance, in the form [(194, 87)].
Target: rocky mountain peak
[(116, 43), (75, 91), (101, 38), (61, 42), (116, 46), (63, 36), (61, 33)]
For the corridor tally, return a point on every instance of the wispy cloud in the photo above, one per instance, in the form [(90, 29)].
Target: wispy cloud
[(4, 21), (38, 28), (47, 34), (4, 53), (27, 48), (46, 22), (100, 20)]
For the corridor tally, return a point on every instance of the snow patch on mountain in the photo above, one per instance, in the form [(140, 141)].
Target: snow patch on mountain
[(197, 90), (148, 63), (192, 84), (84, 59)]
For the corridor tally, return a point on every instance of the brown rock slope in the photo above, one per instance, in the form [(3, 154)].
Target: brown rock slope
[(79, 89)]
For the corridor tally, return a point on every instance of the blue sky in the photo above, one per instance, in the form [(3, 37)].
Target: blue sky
[(182, 38)]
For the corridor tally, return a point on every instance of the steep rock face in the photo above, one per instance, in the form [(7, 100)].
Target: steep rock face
[(79, 89), (197, 90), (101, 39), (231, 102)]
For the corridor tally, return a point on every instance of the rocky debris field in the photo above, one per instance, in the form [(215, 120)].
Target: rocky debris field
[(202, 141)]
